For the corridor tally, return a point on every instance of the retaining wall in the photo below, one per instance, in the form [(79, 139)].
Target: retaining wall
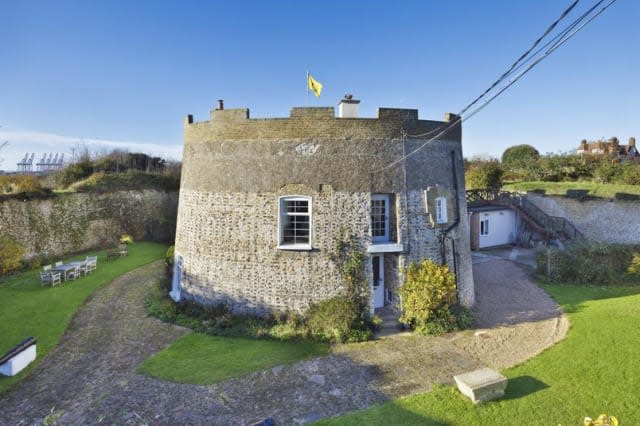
[(611, 221), (76, 222)]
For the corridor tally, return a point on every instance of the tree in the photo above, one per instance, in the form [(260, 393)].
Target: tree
[(519, 161), (483, 174)]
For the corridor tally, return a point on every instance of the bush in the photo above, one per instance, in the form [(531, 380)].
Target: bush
[(483, 174), (519, 161), (634, 267), (429, 303), (20, 184), (125, 239), (11, 254), (337, 320), (130, 180), (587, 263), (169, 255), (77, 171)]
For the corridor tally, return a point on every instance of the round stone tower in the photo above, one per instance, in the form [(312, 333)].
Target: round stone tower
[(263, 203)]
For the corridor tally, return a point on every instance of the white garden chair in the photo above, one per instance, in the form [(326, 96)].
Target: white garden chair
[(48, 277), (91, 263), (74, 273)]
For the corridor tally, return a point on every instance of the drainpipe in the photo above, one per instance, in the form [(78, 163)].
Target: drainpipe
[(443, 234)]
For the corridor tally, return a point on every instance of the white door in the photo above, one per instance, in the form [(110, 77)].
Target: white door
[(377, 263)]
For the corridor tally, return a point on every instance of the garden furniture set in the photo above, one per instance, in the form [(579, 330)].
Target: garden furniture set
[(67, 271)]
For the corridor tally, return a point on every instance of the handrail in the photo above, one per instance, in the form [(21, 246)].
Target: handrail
[(556, 224)]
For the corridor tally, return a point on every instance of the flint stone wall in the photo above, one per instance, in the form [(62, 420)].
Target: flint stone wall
[(610, 221), (69, 223), (235, 169)]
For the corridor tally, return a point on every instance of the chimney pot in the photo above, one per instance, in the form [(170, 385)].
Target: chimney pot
[(348, 107)]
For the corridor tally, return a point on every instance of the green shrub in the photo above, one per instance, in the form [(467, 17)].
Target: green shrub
[(129, 180), (587, 263), (21, 185), (483, 174), (11, 254), (429, 303), (634, 267), (77, 171), (169, 255), (630, 174), (338, 320), (125, 239)]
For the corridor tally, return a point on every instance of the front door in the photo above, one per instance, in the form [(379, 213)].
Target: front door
[(377, 263)]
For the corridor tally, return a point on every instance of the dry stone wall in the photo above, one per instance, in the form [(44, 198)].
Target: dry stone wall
[(610, 221), (70, 223)]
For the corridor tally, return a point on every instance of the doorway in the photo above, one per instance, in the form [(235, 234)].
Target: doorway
[(377, 264)]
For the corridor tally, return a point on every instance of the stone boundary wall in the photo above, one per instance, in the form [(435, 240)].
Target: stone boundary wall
[(610, 221), (69, 223)]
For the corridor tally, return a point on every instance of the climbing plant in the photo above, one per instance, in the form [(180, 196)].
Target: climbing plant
[(345, 317)]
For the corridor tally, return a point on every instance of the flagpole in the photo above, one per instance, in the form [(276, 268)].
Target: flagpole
[(307, 84)]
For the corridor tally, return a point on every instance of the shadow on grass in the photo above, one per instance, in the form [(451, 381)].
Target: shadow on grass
[(522, 386)]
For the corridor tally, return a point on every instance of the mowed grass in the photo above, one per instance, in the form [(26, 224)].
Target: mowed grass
[(595, 370), (202, 359), (602, 190), (27, 309)]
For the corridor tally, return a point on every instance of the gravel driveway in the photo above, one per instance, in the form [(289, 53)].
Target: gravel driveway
[(90, 378)]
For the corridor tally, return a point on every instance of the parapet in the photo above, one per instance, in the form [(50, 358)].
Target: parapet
[(317, 122)]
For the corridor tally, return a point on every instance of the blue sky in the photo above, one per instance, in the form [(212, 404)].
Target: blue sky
[(123, 74)]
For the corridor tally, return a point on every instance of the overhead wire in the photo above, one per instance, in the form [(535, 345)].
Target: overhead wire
[(561, 38)]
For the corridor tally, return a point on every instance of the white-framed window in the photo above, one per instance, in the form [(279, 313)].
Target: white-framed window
[(484, 227), (295, 223), (441, 210), (380, 229)]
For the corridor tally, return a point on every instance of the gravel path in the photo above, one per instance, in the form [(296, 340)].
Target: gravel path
[(90, 377)]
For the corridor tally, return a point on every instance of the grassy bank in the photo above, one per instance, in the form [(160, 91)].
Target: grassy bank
[(600, 190)]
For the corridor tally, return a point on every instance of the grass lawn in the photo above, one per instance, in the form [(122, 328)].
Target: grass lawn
[(26, 309), (594, 370), (202, 359), (602, 190)]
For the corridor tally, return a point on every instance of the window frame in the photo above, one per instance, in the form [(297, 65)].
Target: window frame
[(441, 210), (387, 218), (484, 227), (283, 214)]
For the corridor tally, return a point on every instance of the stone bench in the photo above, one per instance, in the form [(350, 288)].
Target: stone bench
[(484, 384), (18, 358)]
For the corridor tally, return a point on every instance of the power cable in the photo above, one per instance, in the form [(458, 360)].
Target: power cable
[(557, 41)]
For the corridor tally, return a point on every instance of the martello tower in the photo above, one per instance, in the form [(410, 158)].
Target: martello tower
[(263, 203)]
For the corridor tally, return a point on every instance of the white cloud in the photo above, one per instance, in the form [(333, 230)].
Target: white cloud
[(23, 141)]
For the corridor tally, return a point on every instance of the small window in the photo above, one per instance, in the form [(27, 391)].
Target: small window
[(441, 210), (295, 223), (484, 227), (380, 218)]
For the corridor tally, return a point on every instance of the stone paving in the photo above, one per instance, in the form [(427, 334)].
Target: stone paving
[(90, 378)]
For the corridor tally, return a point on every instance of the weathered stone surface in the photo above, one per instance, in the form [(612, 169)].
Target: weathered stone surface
[(614, 221), (71, 223), (236, 168), (481, 385)]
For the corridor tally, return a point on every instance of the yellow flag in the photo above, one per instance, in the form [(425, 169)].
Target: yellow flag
[(314, 85)]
